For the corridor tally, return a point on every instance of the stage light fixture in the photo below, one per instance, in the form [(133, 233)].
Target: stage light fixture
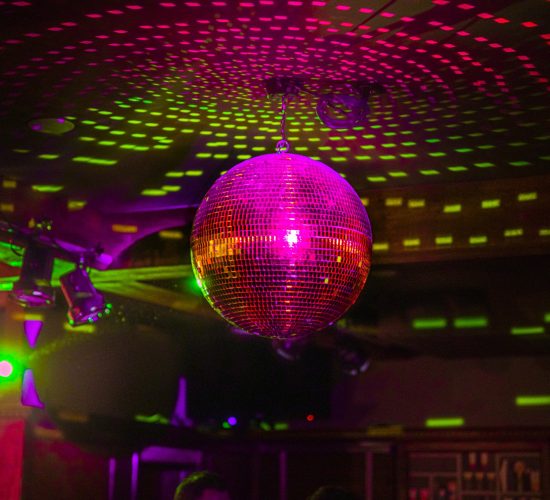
[(86, 304), (33, 288)]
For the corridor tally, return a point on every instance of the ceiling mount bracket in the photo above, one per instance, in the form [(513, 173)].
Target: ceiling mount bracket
[(282, 85)]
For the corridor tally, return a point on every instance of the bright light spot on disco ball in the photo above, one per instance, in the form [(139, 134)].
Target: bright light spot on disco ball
[(292, 237), (281, 246)]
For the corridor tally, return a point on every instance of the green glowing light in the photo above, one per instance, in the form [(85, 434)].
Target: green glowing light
[(153, 192), (435, 323), (547, 317), (451, 209), (376, 178), (539, 400), (510, 233), (394, 202), (527, 196), (490, 203), (544, 231), (527, 330), (380, 247), (48, 156), (412, 203), (444, 422), (280, 426), (94, 161), (84, 328), (10, 368), (444, 240), (471, 322), (411, 242), (6, 287), (152, 419), (478, 239), (43, 188)]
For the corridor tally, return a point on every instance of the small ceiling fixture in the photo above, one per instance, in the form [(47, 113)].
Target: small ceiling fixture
[(281, 243), (34, 288), (86, 304)]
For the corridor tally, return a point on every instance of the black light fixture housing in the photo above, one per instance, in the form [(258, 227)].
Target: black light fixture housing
[(34, 288), (86, 304)]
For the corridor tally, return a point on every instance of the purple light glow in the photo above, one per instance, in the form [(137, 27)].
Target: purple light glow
[(32, 331), (281, 246), (29, 394), (232, 421)]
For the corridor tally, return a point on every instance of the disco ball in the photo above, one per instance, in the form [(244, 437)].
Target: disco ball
[(281, 246)]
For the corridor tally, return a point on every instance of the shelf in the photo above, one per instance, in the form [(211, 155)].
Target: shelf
[(502, 465)]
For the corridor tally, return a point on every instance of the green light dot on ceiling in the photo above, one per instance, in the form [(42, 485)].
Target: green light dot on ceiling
[(380, 247), (478, 239), (435, 323), (444, 422), (94, 161), (454, 208), (443, 240), (513, 232), (43, 188), (411, 242), (471, 322), (153, 192), (533, 400), (527, 330), (527, 196)]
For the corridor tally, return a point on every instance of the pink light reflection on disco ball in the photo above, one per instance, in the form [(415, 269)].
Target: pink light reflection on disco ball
[(281, 245)]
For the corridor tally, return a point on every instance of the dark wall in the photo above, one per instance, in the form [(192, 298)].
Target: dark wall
[(482, 391)]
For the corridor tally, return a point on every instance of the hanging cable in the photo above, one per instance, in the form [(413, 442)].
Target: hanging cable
[(283, 146)]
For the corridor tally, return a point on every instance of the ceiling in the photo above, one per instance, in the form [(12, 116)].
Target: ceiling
[(115, 118)]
